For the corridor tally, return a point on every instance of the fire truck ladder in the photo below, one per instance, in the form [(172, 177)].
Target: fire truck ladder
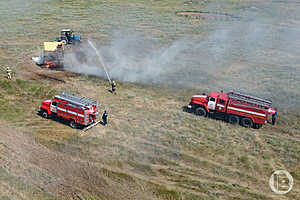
[(77, 100), (250, 99)]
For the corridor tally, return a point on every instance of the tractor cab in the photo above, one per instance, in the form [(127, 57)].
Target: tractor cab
[(66, 36)]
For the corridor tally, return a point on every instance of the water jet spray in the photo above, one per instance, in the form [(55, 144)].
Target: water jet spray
[(100, 59)]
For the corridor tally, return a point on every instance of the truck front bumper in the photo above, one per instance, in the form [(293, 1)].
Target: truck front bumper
[(189, 108)]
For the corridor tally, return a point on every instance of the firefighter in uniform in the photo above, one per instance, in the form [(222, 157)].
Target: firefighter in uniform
[(274, 116), (104, 118), (113, 87), (8, 71)]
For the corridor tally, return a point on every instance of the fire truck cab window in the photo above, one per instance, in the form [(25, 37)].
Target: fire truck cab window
[(53, 103), (212, 99), (222, 101)]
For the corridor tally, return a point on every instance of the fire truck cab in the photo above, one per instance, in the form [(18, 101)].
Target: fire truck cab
[(235, 107), (77, 110)]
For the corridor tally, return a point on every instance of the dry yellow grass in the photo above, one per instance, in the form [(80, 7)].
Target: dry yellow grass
[(150, 149)]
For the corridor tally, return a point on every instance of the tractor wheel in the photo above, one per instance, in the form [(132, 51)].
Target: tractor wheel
[(201, 112), (247, 122), (73, 124), (45, 114), (233, 119)]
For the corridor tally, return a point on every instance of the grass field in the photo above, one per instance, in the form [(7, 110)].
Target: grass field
[(150, 149)]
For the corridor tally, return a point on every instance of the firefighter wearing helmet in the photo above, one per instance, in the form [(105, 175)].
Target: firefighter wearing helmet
[(113, 87), (8, 71), (273, 112), (274, 116)]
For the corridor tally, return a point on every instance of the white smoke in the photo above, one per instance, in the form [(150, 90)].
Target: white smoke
[(130, 57), (252, 54)]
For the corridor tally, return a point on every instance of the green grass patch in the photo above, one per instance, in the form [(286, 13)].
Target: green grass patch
[(144, 168), (8, 87), (167, 194), (245, 161), (117, 176)]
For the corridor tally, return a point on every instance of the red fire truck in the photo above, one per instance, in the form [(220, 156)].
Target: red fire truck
[(77, 110), (234, 107)]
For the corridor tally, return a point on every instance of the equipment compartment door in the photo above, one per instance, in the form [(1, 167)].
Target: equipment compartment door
[(212, 103), (53, 107)]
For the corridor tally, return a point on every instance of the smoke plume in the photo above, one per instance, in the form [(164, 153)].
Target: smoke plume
[(257, 53)]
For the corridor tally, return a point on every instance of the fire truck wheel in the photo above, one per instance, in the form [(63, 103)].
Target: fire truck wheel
[(73, 123), (247, 122), (200, 111), (257, 126), (45, 114), (187, 109), (233, 119)]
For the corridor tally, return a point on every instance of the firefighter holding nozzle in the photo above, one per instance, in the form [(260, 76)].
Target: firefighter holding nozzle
[(113, 87), (8, 71)]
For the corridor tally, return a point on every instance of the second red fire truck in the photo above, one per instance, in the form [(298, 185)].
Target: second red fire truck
[(76, 109), (235, 107)]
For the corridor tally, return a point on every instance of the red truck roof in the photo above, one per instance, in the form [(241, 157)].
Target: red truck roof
[(220, 95)]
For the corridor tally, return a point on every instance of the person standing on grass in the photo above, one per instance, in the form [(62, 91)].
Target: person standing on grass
[(104, 118), (274, 116), (8, 71), (113, 87)]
